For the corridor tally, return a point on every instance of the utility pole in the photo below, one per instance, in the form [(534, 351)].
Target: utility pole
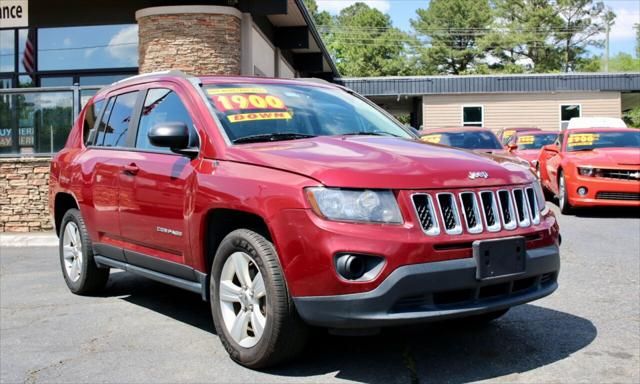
[(606, 48)]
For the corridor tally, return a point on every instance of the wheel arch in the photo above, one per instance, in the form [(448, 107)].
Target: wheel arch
[(63, 202), (219, 222)]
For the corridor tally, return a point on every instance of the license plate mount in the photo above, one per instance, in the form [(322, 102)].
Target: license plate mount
[(499, 257)]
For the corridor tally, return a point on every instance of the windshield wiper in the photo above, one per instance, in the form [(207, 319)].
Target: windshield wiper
[(272, 137), (582, 149), (363, 133)]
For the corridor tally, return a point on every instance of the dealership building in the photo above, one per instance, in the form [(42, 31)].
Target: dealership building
[(56, 54)]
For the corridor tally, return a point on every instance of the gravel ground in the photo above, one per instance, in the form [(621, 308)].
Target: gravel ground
[(140, 331)]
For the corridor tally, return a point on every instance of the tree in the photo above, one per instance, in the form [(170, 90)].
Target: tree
[(364, 42), (321, 19), (523, 35), (583, 21), (452, 29)]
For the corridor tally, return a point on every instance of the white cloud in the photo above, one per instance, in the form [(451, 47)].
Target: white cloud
[(66, 42), (335, 6), (123, 46), (626, 17)]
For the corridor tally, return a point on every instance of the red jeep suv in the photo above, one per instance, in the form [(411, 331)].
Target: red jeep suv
[(288, 203)]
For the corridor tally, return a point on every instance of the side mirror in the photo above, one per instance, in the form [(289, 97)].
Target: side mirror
[(172, 135), (551, 148), (512, 147)]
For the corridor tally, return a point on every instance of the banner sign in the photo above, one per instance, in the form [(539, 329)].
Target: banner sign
[(14, 13)]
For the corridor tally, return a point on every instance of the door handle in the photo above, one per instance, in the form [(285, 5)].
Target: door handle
[(131, 169)]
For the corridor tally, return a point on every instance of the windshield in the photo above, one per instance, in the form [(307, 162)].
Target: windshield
[(535, 141), (467, 140), (270, 112), (593, 140)]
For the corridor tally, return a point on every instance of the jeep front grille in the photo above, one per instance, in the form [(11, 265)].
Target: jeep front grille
[(479, 211)]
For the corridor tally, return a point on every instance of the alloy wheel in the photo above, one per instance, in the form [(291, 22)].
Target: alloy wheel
[(243, 299), (72, 251)]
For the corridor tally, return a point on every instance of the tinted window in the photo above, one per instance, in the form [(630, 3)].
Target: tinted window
[(162, 105), (90, 117), (535, 141), (586, 141), (115, 132), (260, 111), (467, 140)]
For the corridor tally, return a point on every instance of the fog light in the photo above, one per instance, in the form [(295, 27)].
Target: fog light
[(358, 267), (582, 191)]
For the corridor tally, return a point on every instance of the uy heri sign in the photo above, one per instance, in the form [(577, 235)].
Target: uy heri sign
[(14, 13)]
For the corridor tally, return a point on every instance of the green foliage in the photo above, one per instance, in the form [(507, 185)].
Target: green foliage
[(622, 62), (632, 117), (472, 37), (451, 28), (365, 43)]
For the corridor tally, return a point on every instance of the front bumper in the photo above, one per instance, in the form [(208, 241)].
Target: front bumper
[(603, 192), (434, 291)]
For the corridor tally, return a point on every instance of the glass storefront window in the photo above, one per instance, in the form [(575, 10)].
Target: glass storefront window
[(7, 50), (101, 80), (35, 122), (104, 46)]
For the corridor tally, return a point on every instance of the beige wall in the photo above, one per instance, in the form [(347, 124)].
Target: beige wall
[(508, 110)]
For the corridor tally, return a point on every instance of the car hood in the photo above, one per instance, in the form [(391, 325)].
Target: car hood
[(528, 154), (607, 157), (380, 162)]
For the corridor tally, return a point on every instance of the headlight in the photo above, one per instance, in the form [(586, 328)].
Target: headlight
[(542, 204), (355, 205), (586, 171)]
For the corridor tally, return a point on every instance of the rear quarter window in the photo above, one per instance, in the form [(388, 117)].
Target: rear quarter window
[(90, 120)]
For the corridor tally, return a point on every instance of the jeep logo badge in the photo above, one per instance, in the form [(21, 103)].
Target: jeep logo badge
[(478, 175)]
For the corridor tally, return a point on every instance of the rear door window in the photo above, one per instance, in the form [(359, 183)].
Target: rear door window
[(114, 132)]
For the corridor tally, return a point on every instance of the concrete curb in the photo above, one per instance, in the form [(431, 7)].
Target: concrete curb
[(45, 239)]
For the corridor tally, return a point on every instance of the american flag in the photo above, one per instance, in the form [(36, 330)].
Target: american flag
[(29, 56)]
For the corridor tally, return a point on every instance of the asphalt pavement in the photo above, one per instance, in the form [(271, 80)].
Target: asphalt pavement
[(139, 331)]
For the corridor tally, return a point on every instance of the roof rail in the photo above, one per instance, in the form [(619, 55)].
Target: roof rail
[(313, 80), (172, 72)]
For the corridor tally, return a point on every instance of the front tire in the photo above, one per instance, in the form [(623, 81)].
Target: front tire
[(253, 312), (80, 272), (563, 196)]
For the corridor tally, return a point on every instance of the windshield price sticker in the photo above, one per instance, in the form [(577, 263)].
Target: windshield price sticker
[(432, 138), (508, 134), (526, 139), (242, 117), (583, 139), (238, 102)]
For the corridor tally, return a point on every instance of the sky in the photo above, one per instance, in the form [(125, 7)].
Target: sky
[(622, 37)]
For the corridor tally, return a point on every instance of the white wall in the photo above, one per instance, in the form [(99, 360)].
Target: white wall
[(263, 55), (284, 69)]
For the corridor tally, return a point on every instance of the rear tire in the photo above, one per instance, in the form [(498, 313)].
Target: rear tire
[(257, 322), (79, 269)]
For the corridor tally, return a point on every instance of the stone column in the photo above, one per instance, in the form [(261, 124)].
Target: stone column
[(199, 40)]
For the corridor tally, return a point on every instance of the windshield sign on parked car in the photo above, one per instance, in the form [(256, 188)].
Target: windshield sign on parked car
[(272, 112), (602, 139), (535, 141), (467, 140)]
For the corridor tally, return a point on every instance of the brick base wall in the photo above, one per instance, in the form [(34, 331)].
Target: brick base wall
[(24, 185)]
